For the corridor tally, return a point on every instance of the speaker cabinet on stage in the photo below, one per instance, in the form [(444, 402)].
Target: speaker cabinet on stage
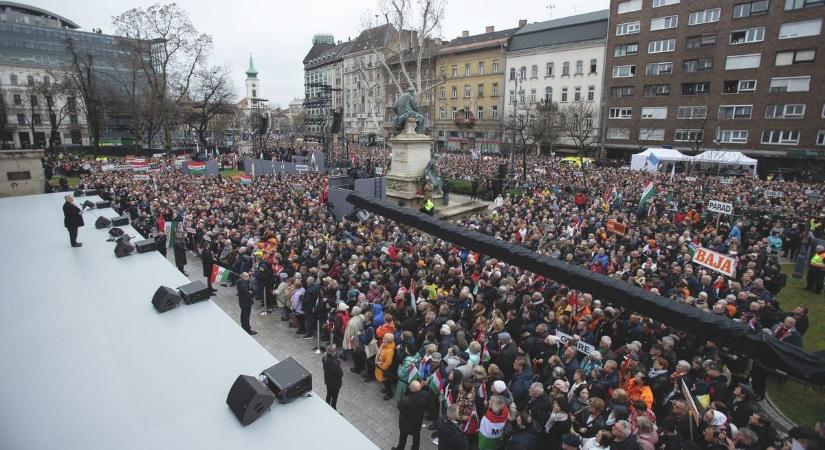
[(146, 245), (120, 221), (124, 248), (103, 204), (288, 380), (249, 399), (165, 298), (102, 222), (194, 292), (81, 193)]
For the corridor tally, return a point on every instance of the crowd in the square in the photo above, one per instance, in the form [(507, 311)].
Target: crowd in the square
[(486, 354)]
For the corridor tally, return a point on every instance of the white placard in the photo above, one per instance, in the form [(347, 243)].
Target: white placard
[(720, 207), (726, 181), (715, 261), (301, 168), (774, 194), (581, 346)]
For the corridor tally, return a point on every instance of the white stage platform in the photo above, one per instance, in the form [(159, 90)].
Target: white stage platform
[(87, 362)]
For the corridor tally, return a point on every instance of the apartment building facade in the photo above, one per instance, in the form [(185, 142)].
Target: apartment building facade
[(706, 74)]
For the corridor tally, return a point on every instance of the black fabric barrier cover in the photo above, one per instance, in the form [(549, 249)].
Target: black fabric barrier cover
[(757, 345)]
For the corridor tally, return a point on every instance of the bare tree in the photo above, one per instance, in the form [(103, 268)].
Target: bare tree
[(56, 96), (649, 131), (170, 50), (4, 120), (211, 95), (578, 119), (84, 78), (697, 130), (547, 127)]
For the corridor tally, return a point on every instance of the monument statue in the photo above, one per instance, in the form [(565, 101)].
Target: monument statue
[(431, 178), (407, 108)]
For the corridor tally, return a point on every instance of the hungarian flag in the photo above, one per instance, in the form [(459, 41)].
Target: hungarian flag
[(413, 375), (471, 426), (485, 355), (139, 166), (219, 274), (246, 179), (170, 228), (491, 428), (435, 383), (648, 194), (197, 167)]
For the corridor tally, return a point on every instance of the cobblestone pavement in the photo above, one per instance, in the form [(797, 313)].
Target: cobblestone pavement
[(362, 404)]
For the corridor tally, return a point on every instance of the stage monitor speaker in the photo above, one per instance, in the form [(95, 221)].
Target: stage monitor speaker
[(103, 204), (120, 221), (124, 248), (84, 192), (165, 298), (102, 222), (116, 232), (146, 246), (194, 292), (288, 380), (88, 204), (249, 399)]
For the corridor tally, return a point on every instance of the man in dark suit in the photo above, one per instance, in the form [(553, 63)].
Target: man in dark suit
[(245, 302), (72, 220), (411, 409), (208, 261)]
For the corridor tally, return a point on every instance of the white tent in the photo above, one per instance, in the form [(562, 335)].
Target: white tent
[(725, 158), (642, 161)]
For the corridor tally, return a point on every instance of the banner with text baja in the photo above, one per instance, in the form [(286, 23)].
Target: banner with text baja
[(715, 261)]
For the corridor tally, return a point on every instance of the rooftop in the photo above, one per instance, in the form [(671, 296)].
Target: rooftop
[(62, 22), (567, 30)]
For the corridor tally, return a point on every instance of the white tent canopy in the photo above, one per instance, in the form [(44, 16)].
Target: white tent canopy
[(640, 161), (725, 158)]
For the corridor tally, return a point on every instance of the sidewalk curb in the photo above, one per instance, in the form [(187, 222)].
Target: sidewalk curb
[(782, 422)]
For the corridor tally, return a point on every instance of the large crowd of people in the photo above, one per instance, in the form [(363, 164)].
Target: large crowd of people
[(489, 354)]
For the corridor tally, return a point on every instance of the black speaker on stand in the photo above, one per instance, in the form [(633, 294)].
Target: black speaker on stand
[(165, 298), (249, 399), (124, 248)]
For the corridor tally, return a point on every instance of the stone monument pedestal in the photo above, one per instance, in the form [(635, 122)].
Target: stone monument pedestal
[(410, 155)]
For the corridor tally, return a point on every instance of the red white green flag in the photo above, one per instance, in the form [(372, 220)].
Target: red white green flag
[(197, 167), (219, 274), (246, 179)]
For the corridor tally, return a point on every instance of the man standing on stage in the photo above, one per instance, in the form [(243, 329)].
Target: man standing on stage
[(72, 220), (245, 302)]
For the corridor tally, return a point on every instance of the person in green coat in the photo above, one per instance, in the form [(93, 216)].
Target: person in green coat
[(410, 361)]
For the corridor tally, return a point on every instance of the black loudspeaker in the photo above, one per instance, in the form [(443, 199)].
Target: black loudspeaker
[(249, 399), (146, 245), (120, 221), (116, 232), (194, 292), (103, 204), (124, 248), (81, 193), (102, 222), (288, 380), (165, 298), (88, 204)]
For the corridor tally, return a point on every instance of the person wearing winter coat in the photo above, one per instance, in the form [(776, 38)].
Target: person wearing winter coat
[(411, 410), (355, 325), (646, 436), (450, 435), (383, 362), (333, 374), (411, 360)]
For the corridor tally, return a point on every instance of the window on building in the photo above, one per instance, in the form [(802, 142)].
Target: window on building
[(786, 58), (467, 69), (29, 80), (548, 94), (651, 134), (494, 92), (733, 136), (620, 113), (495, 66), (624, 71), (17, 99), (532, 96), (735, 111), (548, 70), (799, 4), (790, 111), (688, 135), (454, 92), (579, 67), (747, 36), (521, 96), (512, 96), (657, 90), (494, 112), (618, 134), (701, 41), (565, 69), (442, 113), (480, 91), (577, 94), (455, 71), (737, 62), (512, 73), (38, 119), (621, 91), (13, 79), (21, 119), (697, 65), (661, 46), (655, 113), (453, 112), (466, 91), (591, 93), (790, 84), (820, 137), (73, 119), (481, 68), (534, 71), (626, 50), (700, 88), (660, 68), (800, 29), (779, 137), (480, 112), (738, 86), (750, 9), (564, 95), (522, 73), (692, 112), (664, 23), (628, 28), (33, 101), (442, 93), (659, 3), (443, 72), (627, 6), (593, 65), (704, 16)]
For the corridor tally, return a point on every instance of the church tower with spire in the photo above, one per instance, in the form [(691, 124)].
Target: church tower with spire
[(253, 85)]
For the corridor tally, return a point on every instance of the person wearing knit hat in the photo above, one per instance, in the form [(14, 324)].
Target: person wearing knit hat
[(499, 387), (562, 386), (343, 307)]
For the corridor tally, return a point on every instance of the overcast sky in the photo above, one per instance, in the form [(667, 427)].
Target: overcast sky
[(279, 33)]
